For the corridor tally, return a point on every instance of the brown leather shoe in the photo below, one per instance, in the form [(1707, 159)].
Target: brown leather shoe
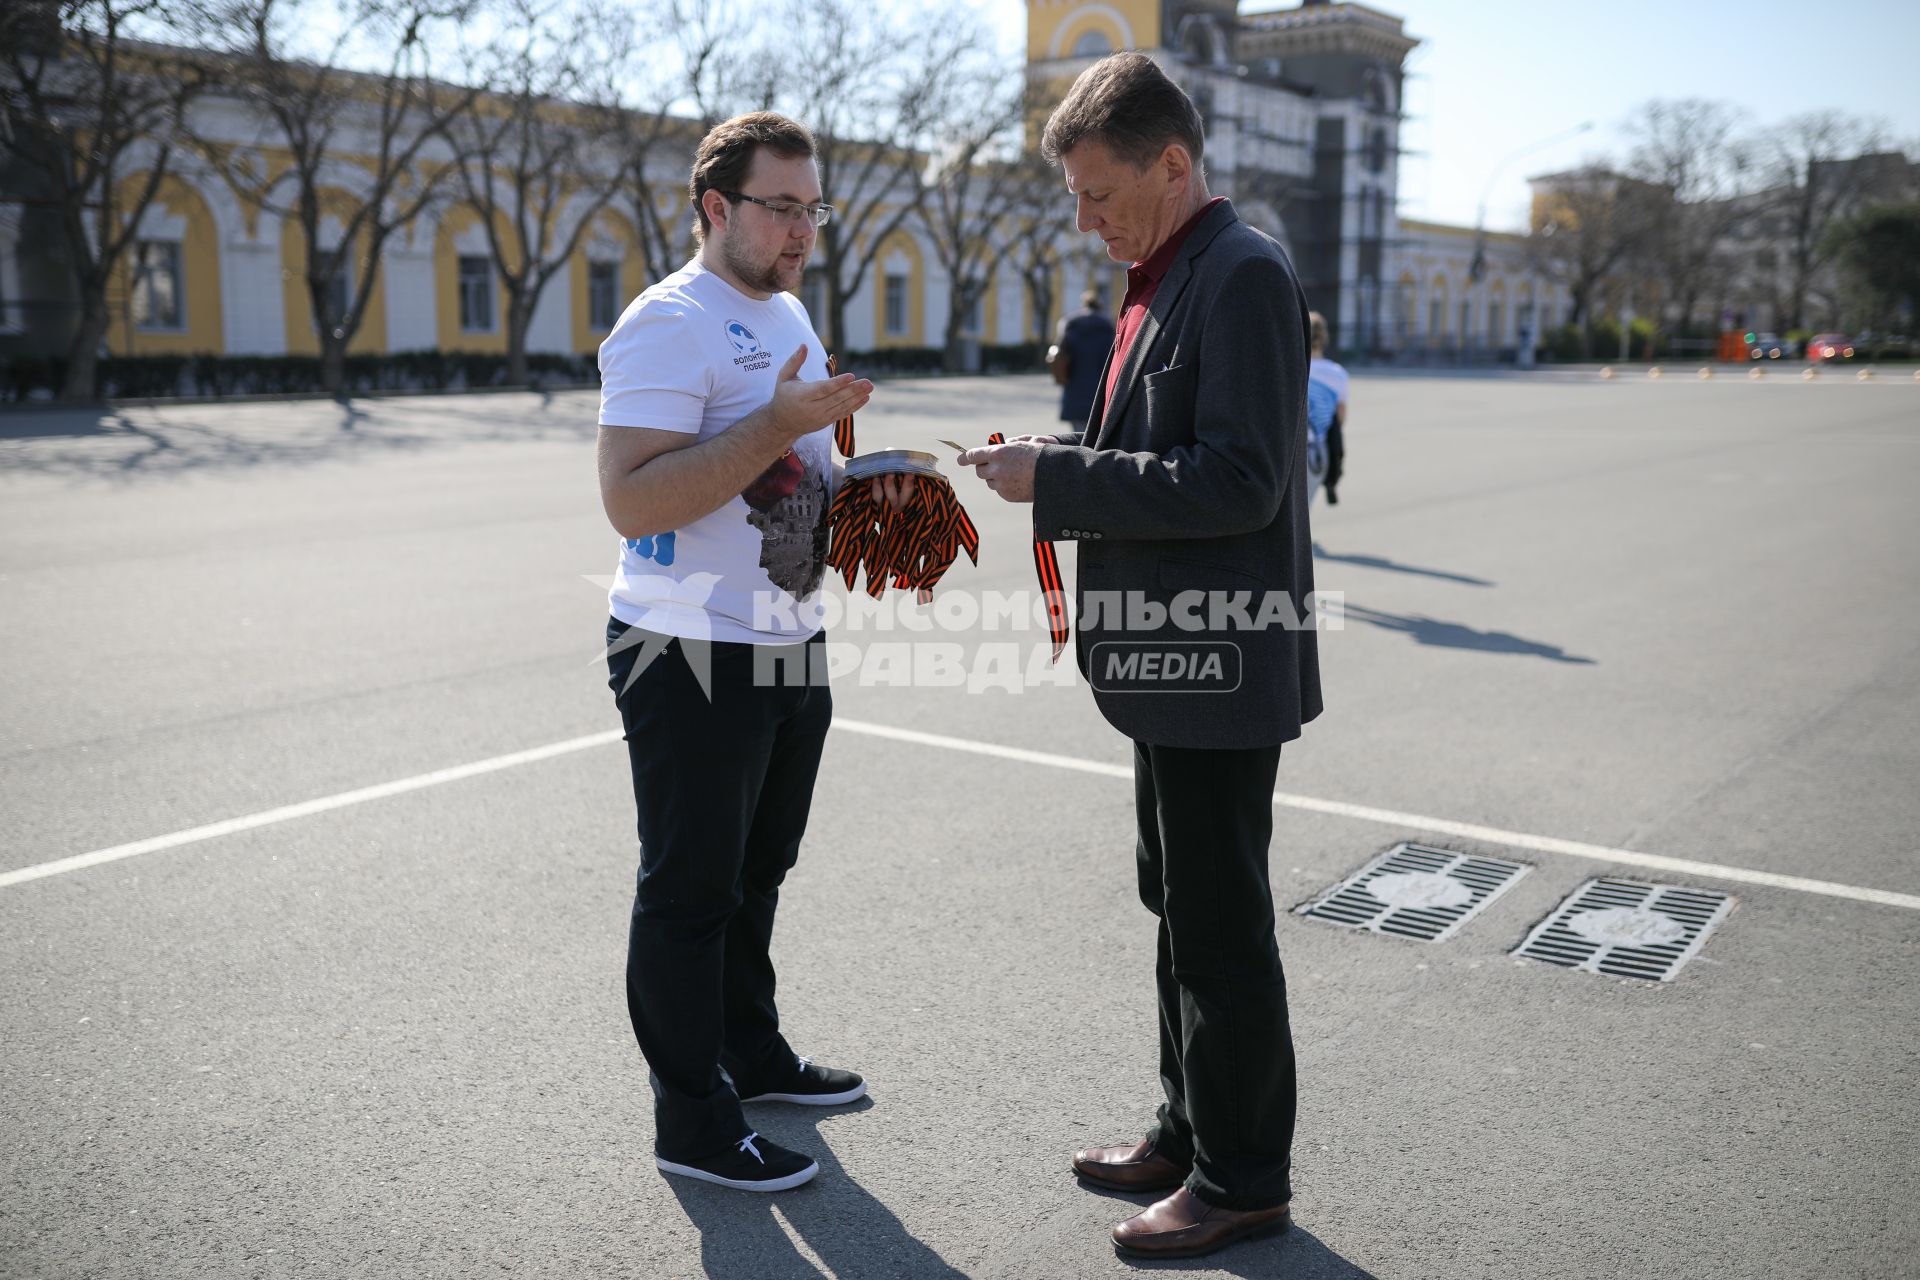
[(1135, 1168), (1185, 1226)]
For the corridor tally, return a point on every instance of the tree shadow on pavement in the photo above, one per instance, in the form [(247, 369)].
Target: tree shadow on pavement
[(1394, 566), (1456, 635), (749, 1236), (128, 445)]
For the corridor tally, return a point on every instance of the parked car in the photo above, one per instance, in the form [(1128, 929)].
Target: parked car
[(1765, 346), (1878, 346), (1829, 346)]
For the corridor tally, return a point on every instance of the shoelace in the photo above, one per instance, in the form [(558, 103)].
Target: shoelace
[(746, 1144), (803, 1060)]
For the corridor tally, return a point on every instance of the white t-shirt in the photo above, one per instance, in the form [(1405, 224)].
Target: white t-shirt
[(1326, 391), (694, 354)]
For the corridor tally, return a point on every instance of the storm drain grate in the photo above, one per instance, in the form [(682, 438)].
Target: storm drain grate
[(1626, 929), (1413, 891)]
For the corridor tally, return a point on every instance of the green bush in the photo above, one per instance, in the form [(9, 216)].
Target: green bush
[(1563, 344), (1014, 357), (1008, 357), (211, 376), (893, 360)]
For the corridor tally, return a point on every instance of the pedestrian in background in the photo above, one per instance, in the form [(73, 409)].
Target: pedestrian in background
[(1326, 414), (1083, 343)]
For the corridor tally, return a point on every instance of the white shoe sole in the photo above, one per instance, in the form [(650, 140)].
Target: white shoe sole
[(854, 1094), (787, 1183)]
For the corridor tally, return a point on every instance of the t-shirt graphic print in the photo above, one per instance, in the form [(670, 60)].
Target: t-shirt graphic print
[(694, 354), (788, 505)]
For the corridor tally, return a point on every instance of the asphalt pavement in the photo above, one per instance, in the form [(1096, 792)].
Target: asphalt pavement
[(383, 1035)]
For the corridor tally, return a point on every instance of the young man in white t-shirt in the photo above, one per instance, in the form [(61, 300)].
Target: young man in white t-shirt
[(716, 470)]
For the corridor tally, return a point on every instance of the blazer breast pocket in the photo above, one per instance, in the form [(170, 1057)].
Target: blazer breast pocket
[(1169, 396)]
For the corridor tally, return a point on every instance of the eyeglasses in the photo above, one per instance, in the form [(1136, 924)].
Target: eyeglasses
[(818, 214)]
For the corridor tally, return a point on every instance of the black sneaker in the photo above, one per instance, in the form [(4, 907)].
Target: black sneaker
[(814, 1086), (752, 1164)]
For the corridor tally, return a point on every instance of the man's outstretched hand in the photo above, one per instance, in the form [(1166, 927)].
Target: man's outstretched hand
[(799, 406)]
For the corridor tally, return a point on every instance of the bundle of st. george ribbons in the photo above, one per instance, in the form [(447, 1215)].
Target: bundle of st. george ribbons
[(910, 549)]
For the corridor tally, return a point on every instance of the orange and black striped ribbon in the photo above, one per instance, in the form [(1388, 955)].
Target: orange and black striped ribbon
[(843, 429), (911, 549), (1046, 565), (908, 549)]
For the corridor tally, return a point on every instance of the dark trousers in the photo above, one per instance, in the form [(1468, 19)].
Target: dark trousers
[(722, 787), (1336, 456), (1226, 1050)]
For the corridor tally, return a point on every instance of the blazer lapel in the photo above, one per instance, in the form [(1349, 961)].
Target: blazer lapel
[(1165, 299), (1096, 417)]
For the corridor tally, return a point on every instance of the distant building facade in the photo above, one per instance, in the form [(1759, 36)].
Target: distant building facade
[(1303, 108), (1303, 113)]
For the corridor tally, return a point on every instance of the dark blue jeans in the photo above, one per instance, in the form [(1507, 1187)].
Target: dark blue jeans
[(722, 786), (1204, 819)]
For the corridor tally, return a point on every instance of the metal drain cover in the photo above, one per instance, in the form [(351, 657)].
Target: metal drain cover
[(1415, 891), (1627, 929)]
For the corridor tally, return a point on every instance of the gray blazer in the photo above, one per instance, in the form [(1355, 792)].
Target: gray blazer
[(1193, 480)]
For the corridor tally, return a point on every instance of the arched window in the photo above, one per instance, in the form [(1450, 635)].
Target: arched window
[(1092, 44)]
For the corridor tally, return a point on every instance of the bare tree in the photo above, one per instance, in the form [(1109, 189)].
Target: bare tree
[(869, 83), (1821, 170), (973, 186), (1591, 233), (377, 127), (528, 159), (1037, 218), (660, 97), (86, 107), (1697, 172)]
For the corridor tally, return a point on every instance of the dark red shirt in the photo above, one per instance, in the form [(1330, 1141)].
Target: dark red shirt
[(1143, 281)]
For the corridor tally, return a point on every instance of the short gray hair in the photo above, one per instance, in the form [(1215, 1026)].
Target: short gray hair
[(1129, 103)]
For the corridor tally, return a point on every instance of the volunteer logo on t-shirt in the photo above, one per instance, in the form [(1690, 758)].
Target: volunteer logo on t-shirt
[(742, 338), (752, 355)]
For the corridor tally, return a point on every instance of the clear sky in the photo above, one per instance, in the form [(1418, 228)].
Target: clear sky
[(1493, 76)]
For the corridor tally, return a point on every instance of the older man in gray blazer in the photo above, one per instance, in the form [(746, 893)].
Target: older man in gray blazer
[(1187, 494)]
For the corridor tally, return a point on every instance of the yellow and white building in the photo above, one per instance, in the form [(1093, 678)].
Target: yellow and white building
[(1303, 113)]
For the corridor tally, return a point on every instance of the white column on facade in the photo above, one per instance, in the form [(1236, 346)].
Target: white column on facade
[(1352, 170), (252, 280), (551, 330), (412, 312), (1011, 323), (861, 333), (939, 289)]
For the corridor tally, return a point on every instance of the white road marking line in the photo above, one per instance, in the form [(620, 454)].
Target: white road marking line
[(1420, 822), (287, 813), (1046, 759)]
